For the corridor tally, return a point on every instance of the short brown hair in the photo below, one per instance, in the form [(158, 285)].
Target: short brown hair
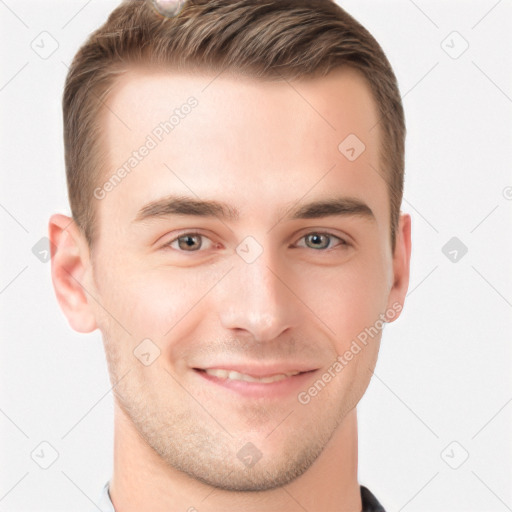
[(264, 39)]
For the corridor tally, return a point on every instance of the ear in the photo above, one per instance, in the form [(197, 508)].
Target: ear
[(70, 271), (401, 267)]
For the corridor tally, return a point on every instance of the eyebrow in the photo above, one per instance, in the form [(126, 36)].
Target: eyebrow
[(184, 205)]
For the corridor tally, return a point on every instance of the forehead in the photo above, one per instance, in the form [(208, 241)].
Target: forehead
[(243, 141), (334, 104)]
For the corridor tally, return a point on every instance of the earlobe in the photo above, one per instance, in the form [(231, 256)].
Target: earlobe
[(401, 267), (70, 267)]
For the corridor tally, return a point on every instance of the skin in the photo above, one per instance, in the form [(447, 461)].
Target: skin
[(261, 148)]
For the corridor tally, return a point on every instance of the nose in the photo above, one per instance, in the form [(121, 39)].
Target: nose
[(258, 301)]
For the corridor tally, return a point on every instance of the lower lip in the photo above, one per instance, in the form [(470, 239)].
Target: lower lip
[(277, 389)]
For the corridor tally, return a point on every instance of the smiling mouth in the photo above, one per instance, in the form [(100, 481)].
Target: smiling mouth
[(234, 375)]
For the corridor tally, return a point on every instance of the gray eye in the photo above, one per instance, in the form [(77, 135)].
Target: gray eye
[(317, 240)]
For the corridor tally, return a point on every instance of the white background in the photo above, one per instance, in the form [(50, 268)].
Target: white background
[(444, 371)]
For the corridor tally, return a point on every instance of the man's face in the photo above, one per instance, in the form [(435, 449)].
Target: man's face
[(262, 291)]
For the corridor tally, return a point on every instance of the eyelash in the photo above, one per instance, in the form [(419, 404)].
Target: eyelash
[(343, 243)]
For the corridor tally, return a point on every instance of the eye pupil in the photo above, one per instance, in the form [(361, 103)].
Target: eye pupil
[(188, 241), (316, 239)]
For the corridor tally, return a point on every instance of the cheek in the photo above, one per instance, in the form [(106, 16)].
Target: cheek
[(157, 303), (347, 299)]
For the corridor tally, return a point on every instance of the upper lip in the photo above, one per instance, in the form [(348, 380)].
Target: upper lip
[(260, 371)]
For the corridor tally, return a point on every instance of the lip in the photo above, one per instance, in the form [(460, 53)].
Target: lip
[(260, 371), (269, 390)]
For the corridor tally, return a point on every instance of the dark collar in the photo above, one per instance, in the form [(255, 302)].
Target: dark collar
[(370, 502)]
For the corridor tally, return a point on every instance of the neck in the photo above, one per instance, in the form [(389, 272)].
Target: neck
[(141, 481)]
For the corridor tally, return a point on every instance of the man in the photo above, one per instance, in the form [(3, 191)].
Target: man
[(235, 173)]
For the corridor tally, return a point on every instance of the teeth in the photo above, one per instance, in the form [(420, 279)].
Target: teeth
[(232, 375)]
